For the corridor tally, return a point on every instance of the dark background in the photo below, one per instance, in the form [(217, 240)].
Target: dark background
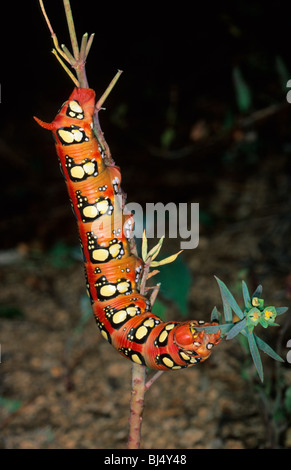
[(178, 62), (178, 131)]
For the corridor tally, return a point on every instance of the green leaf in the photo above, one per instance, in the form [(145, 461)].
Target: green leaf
[(228, 301), (281, 310), (167, 137), (258, 291), (246, 294), (215, 315), (243, 92), (237, 328), (267, 349), (9, 404), (255, 354), (224, 328)]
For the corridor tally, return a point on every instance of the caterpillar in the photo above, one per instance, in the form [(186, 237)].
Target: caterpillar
[(112, 272)]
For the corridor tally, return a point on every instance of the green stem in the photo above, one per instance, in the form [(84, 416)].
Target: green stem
[(101, 101), (71, 27)]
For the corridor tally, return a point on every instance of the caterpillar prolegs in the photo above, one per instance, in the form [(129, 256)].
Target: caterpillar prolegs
[(112, 271)]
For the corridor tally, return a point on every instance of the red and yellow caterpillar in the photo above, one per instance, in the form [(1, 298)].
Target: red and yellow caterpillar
[(112, 271)]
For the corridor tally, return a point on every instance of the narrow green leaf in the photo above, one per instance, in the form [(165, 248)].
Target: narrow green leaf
[(228, 301), (215, 315), (237, 328), (214, 328), (281, 310), (255, 355), (246, 294), (243, 92), (258, 291), (267, 349)]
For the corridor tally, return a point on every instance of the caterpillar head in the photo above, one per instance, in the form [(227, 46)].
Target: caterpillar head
[(198, 342), (75, 113)]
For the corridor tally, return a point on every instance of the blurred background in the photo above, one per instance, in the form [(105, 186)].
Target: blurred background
[(199, 115)]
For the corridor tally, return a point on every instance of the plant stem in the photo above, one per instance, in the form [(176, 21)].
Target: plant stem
[(153, 379), (139, 385), (108, 90), (136, 405), (71, 27)]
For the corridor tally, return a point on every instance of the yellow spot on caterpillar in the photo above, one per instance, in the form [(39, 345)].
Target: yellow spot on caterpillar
[(66, 136), (100, 255), (149, 322), (104, 334), (77, 172), (78, 136), (163, 336), (102, 206), (89, 168), (90, 212), (108, 291), (168, 362), (169, 327), (193, 360), (122, 287), (131, 311), (176, 367), (136, 359), (184, 356), (141, 332), (119, 316), (75, 106), (114, 250)]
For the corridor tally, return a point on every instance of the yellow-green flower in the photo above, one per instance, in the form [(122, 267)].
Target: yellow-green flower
[(268, 316), (257, 302), (253, 318)]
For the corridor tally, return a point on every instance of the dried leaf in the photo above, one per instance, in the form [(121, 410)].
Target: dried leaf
[(144, 246), (153, 253), (152, 273), (167, 260)]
